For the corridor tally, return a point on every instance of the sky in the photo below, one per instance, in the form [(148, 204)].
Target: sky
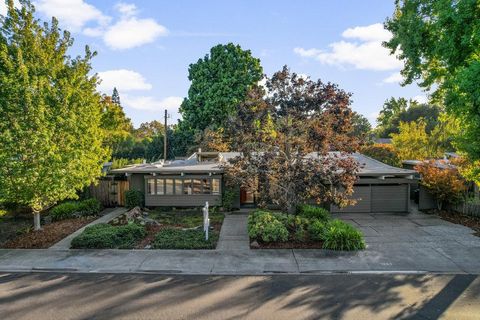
[(145, 46)]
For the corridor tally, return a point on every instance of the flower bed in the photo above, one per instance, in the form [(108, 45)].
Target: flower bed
[(312, 227)]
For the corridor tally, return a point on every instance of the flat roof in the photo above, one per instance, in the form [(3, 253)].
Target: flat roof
[(368, 166)]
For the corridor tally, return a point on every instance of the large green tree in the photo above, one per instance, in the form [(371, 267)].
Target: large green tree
[(439, 41), (219, 82), (50, 112), (118, 127)]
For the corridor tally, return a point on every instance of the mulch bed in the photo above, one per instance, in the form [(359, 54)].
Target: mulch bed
[(463, 219), (288, 245), (49, 235)]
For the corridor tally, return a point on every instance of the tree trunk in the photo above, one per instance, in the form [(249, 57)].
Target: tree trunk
[(36, 221)]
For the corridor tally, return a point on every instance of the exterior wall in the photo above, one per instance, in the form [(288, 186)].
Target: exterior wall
[(137, 182), (425, 200)]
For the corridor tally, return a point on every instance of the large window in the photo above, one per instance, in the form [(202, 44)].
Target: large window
[(187, 186), (206, 186), (215, 186), (197, 186), (151, 186), (160, 186), (178, 186), (168, 186)]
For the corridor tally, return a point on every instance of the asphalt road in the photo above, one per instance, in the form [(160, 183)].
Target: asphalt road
[(135, 296)]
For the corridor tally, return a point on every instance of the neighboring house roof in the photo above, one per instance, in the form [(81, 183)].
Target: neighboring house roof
[(368, 166)]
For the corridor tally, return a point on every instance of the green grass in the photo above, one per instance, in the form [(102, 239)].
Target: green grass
[(105, 236), (184, 239), (184, 218)]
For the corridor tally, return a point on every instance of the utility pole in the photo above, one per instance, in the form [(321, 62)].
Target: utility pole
[(165, 139)]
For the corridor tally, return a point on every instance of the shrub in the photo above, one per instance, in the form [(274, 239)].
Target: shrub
[(266, 226), (184, 239), (105, 236), (70, 209), (228, 197), (134, 198), (312, 212), (342, 236), (317, 230)]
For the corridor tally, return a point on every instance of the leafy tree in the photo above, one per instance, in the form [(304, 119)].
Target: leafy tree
[(219, 82), (361, 127), (116, 96), (385, 153), (412, 142), (50, 114), (285, 142), (115, 123), (439, 42), (148, 130), (213, 140), (443, 181)]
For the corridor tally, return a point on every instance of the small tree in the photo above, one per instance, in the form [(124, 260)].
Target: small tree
[(285, 142), (443, 181), (412, 142)]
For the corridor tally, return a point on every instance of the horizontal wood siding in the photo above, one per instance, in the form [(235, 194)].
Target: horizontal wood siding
[(390, 198), (362, 195), (192, 200)]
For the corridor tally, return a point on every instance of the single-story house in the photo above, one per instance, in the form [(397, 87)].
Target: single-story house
[(199, 178)]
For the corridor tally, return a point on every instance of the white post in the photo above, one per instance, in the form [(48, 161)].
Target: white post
[(206, 220)]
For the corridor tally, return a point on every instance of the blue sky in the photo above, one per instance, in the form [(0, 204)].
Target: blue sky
[(144, 47)]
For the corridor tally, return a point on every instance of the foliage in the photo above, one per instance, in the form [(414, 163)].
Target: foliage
[(438, 42), (134, 198), (412, 142), (171, 238), (443, 181), (219, 82), (312, 212), (50, 113), (148, 130), (115, 123), (70, 209), (317, 230), (118, 163), (228, 198), (266, 226), (212, 140), (385, 153), (185, 218), (361, 127), (287, 133), (105, 236), (400, 110), (340, 235)]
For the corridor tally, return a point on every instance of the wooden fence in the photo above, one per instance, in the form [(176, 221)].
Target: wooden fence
[(110, 193), (471, 209)]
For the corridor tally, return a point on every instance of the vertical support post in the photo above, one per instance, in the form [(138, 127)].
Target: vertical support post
[(165, 138), (206, 220)]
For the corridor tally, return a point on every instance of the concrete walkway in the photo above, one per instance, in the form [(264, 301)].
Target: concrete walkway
[(234, 234), (64, 244)]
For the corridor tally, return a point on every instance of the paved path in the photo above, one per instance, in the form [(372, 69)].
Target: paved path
[(233, 235), (65, 242), (108, 296)]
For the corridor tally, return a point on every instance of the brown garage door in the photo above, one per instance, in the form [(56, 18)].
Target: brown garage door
[(390, 198), (362, 195)]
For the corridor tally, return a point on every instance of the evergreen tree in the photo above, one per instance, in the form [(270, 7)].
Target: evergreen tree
[(116, 96)]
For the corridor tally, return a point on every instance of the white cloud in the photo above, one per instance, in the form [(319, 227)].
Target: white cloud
[(367, 53), (373, 32), (133, 32), (73, 14), (151, 104), (123, 80), (393, 78), (127, 9)]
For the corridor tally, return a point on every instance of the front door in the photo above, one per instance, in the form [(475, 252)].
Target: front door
[(246, 197)]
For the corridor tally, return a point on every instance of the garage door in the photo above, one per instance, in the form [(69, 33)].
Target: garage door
[(390, 198), (362, 195)]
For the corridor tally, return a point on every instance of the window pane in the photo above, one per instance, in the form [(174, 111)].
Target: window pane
[(168, 186), (197, 186), (160, 186), (187, 186), (151, 186), (178, 186), (215, 186), (206, 186)]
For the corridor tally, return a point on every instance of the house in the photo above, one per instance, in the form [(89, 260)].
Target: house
[(199, 178)]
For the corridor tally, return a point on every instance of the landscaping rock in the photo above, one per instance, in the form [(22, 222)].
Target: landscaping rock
[(254, 245)]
